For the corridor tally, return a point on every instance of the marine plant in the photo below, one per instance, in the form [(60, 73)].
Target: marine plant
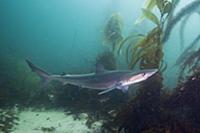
[(190, 64), (147, 50), (18, 85), (183, 25), (189, 60), (48, 129), (182, 29), (113, 31), (185, 101), (107, 59), (176, 112), (174, 19), (8, 119)]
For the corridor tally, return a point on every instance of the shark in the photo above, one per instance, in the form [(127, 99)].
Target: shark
[(102, 79)]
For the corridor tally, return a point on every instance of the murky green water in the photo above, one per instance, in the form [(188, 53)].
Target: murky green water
[(69, 37)]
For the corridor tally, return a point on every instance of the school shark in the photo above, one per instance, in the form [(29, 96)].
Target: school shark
[(101, 79)]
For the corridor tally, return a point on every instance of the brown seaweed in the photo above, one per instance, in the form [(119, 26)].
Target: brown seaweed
[(182, 30), (107, 59), (8, 120), (146, 51), (113, 31), (190, 63), (189, 59), (175, 112), (188, 9), (188, 50), (144, 111)]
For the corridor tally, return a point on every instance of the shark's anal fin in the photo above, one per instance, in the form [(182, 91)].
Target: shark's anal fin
[(105, 91)]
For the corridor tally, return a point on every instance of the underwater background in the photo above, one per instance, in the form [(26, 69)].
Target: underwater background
[(71, 36)]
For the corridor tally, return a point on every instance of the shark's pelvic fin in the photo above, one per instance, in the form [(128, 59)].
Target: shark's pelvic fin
[(105, 91)]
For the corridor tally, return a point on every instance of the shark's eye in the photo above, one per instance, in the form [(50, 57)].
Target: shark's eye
[(143, 74)]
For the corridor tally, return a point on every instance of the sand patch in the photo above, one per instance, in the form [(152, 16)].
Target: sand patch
[(53, 122)]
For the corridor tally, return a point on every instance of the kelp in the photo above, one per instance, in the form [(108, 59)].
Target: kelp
[(190, 63), (174, 5), (182, 30), (188, 9), (175, 112), (107, 59), (188, 50), (141, 113), (150, 16), (149, 5), (146, 50), (187, 97), (164, 6), (113, 31), (18, 85), (128, 42), (189, 60)]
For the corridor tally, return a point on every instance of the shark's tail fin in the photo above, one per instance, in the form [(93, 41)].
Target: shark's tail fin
[(45, 76)]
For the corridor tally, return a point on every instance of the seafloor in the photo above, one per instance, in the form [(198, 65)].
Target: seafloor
[(53, 122)]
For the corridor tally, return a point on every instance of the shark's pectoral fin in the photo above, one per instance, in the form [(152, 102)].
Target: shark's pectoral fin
[(105, 91), (123, 88)]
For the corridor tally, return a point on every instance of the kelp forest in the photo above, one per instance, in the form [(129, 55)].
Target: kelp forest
[(148, 107)]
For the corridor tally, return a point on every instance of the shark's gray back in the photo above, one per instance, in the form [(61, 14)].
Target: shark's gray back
[(103, 80)]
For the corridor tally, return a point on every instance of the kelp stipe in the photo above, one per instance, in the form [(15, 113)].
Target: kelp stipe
[(190, 58), (190, 63), (146, 51), (188, 9)]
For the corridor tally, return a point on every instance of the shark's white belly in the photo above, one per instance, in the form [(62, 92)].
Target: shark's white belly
[(95, 85)]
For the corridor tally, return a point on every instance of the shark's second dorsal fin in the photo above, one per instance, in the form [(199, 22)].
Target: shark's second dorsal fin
[(99, 68)]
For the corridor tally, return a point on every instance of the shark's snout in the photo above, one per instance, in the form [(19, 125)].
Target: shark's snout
[(150, 72), (139, 77)]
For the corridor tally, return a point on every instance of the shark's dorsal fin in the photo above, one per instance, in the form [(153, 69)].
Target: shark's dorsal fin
[(99, 68)]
